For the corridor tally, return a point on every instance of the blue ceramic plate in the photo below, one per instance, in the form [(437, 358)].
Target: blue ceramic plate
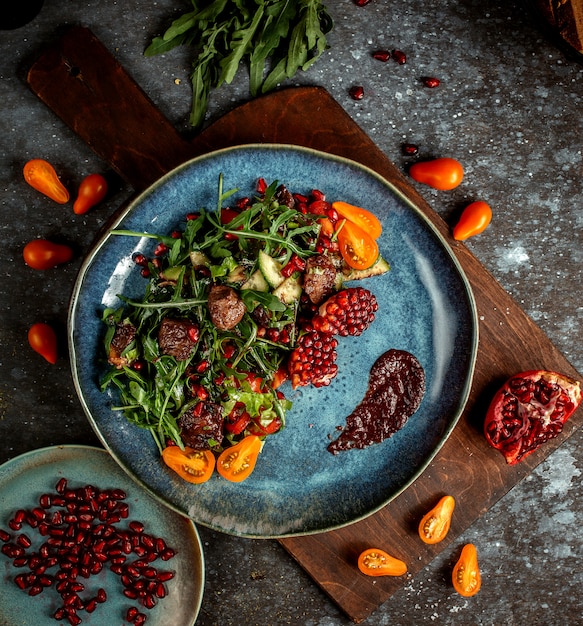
[(425, 307), (24, 478)]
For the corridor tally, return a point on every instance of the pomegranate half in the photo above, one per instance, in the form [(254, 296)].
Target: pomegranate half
[(528, 410)]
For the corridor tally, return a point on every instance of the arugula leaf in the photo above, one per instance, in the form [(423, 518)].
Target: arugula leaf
[(276, 38)]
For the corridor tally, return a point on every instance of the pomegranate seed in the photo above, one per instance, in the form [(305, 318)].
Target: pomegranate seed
[(356, 92), (430, 81), (131, 613), (261, 185), (410, 149), (381, 55), (361, 3), (81, 536), (140, 619), (160, 249), (399, 57)]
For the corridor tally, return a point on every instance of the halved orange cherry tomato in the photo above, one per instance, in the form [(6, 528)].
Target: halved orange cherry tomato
[(41, 175), (361, 217), (43, 340), (194, 466), (474, 219), (376, 562), (435, 524), (92, 190), (237, 462), (443, 174), (357, 247), (42, 254), (466, 577)]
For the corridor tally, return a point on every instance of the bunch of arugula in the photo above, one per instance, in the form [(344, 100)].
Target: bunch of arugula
[(154, 395), (275, 37)]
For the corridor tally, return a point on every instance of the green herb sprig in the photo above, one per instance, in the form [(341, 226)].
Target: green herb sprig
[(276, 38)]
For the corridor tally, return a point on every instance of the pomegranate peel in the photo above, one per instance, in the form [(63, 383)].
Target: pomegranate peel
[(530, 408)]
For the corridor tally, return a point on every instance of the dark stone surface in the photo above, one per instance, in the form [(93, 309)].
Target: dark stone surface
[(508, 106)]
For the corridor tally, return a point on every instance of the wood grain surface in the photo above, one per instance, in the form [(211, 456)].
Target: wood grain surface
[(82, 83)]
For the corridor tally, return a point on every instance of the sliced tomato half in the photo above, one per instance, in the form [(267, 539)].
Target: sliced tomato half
[(361, 217), (357, 247)]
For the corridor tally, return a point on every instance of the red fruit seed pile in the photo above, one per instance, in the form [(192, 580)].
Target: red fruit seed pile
[(80, 536), (348, 312)]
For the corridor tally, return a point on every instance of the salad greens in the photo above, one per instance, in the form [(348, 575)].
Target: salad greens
[(234, 368), (276, 38)]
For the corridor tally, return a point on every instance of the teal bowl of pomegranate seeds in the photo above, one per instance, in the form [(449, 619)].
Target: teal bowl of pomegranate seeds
[(420, 321), (81, 543)]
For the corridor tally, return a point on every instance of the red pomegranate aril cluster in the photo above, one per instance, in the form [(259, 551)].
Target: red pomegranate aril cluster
[(80, 537), (313, 361), (348, 312)]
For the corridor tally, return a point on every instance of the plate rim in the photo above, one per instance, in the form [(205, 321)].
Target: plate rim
[(48, 450), (126, 209)]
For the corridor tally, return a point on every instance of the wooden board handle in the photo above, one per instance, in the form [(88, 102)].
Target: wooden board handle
[(89, 90)]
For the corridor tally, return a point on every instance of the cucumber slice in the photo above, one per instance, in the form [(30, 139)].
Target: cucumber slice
[(199, 259), (380, 267), (237, 275), (289, 291), (270, 269), (256, 282)]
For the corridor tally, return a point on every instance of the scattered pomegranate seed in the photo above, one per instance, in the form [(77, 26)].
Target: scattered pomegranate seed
[(261, 185), (381, 55), (399, 57), (430, 81), (81, 537), (361, 3), (410, 149), (356, 92), (161, 249)]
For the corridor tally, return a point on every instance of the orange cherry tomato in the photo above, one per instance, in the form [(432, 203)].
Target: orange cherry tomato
[(361, 217), (376, 562), (443, 174), (42, 254), (435, 524), (92, 190), (194, 466), (466, 573), (43, 340), (357, 247), (474, 219), (237, 462), (41, 175)]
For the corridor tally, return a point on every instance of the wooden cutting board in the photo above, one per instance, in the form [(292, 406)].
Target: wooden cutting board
[(85, 86)]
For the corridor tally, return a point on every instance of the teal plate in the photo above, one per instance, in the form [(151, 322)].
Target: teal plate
[(24, 478), (425, 307)]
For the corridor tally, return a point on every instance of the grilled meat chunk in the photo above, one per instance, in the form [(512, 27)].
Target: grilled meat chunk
[(319, 279), (123, 336), (225, 306), (201, 425), (177, 337)]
